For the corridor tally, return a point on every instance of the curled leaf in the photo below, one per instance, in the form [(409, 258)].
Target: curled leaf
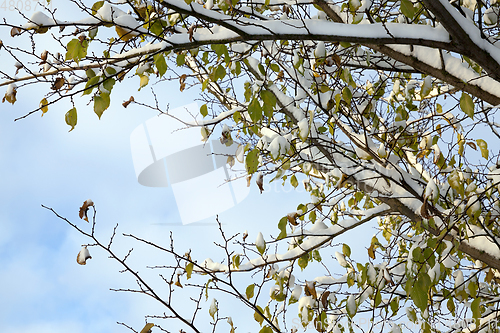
[(213, 308), (126, 103), (260, 244), (310, 289), (484, 148), (324, 299), (10, 95), (84, 209), (292, 218), (177, 281), (43, 57), (15, 31), (260, 182), (83, 255)]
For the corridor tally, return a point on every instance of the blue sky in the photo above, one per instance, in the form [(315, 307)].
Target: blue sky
[(43, 289)]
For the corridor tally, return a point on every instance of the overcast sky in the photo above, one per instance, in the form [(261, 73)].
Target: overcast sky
[(43, 289)]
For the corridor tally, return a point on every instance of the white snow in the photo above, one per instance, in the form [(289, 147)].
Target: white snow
[(341, 259), (40, 19)]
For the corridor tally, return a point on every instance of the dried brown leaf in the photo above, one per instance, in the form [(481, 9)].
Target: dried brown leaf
[(424, 209), (58, 83), (310, 289), (324, 299), (84, 209), (15, 31), (44, 57), (292, 218), (472, 145), (126, 103), (371, 252)]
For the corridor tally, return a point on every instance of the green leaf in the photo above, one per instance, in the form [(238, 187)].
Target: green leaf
[(71, 118), (261, 69), (303, 261), (467, 105), (266, 329), (220, 49), (220, 72), (269, 102), (90, 73), (475, 308), (282, 227), (96, 6), (312, 216), (483, 145), (181, 59), (419, 292), (108, 84), (238, 68), (293, 181), (206, 289), (252, 161), (110, 70), (189, 270), (337, 102), (76, 50), (257, 316), (412, 316), (161, 64), (101, 103), (407, 9), (91, 84), (316, 256), (204, 110), (472, 289), (204, 85), (451, 306), (394, 306), (346, 250), (380, 89), (275, 67), (158, 27), (249, 292), (255, 110), (347, 95)]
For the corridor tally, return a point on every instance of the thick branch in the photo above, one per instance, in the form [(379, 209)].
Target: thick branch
[(468, 41), (419, 65)]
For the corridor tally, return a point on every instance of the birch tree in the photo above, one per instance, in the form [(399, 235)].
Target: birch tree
[(388, 108)]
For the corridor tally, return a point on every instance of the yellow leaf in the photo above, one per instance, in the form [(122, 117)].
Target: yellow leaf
[(144, 81), (147, 328), (371, 252), (125, 34), (44, 106)]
